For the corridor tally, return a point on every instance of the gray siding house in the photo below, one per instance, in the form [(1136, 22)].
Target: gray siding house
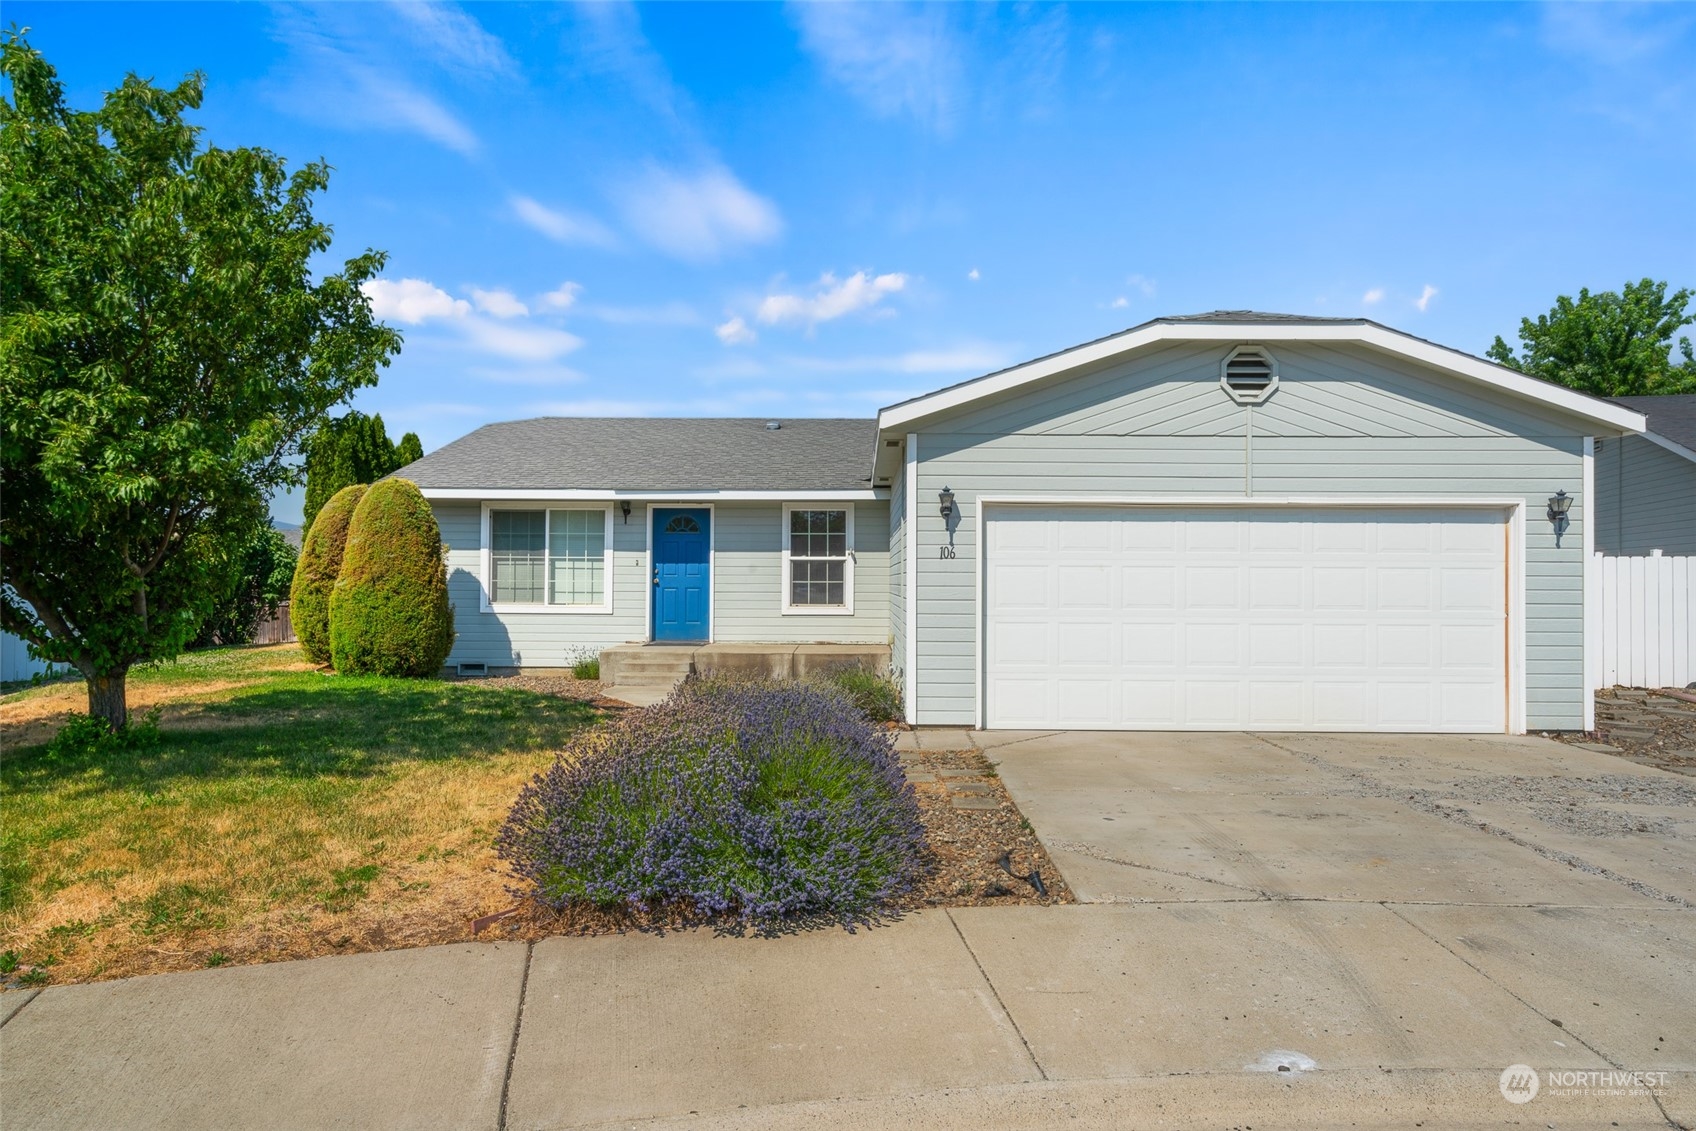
[(1646, 485), (1222, 521)]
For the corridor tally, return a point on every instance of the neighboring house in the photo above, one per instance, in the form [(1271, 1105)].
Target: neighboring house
[(15, 661), (1231, 520), (1646, 485)]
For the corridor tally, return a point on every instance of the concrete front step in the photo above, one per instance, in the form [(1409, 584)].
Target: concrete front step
[(651, 664)]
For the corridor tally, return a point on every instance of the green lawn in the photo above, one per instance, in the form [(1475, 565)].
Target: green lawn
[(283, 811)]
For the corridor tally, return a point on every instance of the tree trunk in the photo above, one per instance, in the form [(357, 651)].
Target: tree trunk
[(106, 697)]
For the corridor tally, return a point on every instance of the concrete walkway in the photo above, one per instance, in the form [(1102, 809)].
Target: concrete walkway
[(1252, 961)]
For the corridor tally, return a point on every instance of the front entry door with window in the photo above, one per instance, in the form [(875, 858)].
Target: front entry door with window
[(682, 587)]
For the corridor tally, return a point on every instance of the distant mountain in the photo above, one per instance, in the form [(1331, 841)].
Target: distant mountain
[(290, 531)]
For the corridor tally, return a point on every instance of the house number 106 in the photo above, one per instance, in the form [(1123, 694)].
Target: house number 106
[(946, 553)]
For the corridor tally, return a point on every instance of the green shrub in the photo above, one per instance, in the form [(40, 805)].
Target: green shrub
[(315, 572), (389, 611), (586, 667), (877, 696)]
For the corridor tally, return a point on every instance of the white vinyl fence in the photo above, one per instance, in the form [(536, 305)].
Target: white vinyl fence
[(1648, 621)]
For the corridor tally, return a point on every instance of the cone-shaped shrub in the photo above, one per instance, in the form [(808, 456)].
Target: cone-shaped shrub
[(315, 572), (389, 613)]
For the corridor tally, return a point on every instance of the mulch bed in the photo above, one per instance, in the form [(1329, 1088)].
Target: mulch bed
[(983, 853), (1651, 727)]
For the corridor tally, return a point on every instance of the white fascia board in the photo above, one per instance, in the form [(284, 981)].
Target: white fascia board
[(449, 494), (1390, 341), (1672, 446)]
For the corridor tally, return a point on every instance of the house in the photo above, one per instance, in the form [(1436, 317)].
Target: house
[(1646, 485), (1222, 521)]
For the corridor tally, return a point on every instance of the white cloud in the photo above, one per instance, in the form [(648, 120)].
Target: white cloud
[(417, 301), (698, 216), (519, 343), (833, 298), (502, 304), (412, 301), (735, 332), (455, 38), (343, 71), (1423, 302), (897, 59), (1119, 303), (968, 358), (662, 314), (973, 275), (1142, 283), (562, 225), (1373, 297), (561, 297)]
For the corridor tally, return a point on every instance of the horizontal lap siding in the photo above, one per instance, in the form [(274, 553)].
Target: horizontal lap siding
[(1644, 499), (539, 640), (1471, 447), (748, 579)]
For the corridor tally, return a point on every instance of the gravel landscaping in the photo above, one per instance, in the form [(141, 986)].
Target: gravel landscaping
[(1651, 727)]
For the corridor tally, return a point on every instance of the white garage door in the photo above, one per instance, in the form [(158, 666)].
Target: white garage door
[(1273, 618)]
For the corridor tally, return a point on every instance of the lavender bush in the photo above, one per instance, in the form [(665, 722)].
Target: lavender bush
[(766, 801)]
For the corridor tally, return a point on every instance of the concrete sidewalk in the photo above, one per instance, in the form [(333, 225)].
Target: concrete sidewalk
[(1097, 1016)]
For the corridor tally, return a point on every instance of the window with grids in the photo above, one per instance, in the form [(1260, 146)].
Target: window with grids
[(555, 557), (818, 559)]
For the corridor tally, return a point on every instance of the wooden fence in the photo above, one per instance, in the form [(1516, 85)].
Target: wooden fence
[(276, 630), (1648, 620)]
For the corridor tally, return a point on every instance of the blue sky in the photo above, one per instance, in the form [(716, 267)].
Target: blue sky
[(764, 210)]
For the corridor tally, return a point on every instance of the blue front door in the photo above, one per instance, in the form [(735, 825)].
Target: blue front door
[(681, 562)]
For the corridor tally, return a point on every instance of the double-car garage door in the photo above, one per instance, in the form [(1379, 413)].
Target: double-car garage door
[(1217, 618)]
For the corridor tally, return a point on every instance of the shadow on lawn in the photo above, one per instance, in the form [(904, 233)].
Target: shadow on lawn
[(310, 726)]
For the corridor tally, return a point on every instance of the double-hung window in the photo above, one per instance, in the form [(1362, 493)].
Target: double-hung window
[(818, 559), (551, 559)]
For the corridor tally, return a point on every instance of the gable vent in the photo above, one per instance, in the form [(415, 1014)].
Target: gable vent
[(1249, 374)]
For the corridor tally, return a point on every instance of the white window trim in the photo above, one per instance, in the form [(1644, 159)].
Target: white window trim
[(846, 609), (486, 582)]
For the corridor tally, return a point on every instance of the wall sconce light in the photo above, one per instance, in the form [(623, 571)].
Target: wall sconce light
[(947, 499), (624, 509), (1559, 503)]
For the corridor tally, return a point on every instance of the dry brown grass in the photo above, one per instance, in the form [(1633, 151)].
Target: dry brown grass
[(284, 813)]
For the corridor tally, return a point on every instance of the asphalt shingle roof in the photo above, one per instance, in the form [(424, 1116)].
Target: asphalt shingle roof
[(655, 454), (1672, 416)]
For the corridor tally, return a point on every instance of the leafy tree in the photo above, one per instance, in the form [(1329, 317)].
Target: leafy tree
[(266, 562), (1611, 345), (316, 572), (389, 613), (352, 449), (164, 345)]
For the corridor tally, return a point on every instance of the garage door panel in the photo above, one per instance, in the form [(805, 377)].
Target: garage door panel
[(1231, 617)]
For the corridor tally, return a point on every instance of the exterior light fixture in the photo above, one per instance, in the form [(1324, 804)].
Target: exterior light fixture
[(946, 497), (624, 509), (1559, 503)]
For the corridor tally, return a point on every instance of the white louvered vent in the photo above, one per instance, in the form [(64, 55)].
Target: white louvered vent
[(1249, 374)]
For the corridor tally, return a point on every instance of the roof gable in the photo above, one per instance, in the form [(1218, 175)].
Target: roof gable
[(1238, 326)]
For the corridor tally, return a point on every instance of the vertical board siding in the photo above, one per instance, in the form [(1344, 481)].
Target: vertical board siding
[(747, 589), (1648, 620), (1341, 423), (1646, 498), (898, 574)]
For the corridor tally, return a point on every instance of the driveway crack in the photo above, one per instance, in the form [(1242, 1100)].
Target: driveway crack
[(1008, 1013), (1095, 853), (1566, 1029), (517, 1025), (1426, 801)]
